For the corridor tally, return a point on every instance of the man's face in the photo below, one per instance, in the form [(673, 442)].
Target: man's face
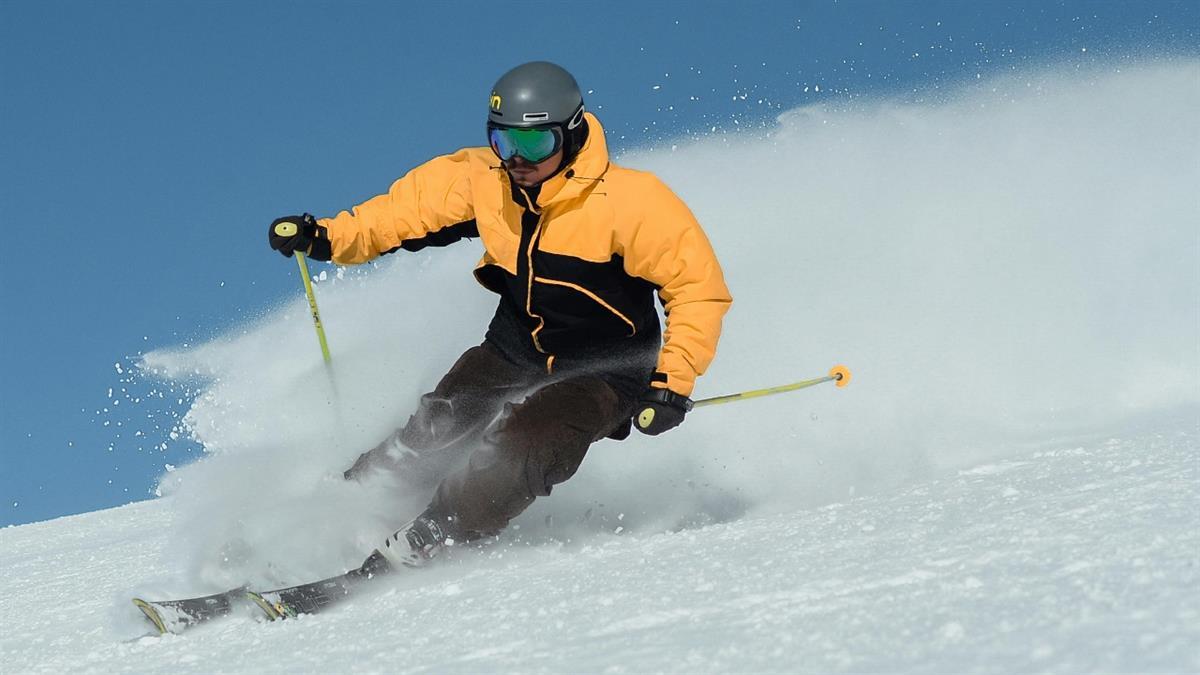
[(527, 174)]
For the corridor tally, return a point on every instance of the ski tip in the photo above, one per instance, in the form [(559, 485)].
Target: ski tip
[(152, 615), (840, 375)]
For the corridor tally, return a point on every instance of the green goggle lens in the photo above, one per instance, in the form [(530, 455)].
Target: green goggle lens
[(534, 145)]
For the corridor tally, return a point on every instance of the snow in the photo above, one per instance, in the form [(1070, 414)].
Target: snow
[(1093, 565), (1009, 485)]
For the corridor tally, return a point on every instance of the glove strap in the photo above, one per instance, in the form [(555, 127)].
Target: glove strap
[(661, 395), (321, 248)]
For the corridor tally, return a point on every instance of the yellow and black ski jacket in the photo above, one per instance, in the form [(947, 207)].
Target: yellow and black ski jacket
[(576, 262)]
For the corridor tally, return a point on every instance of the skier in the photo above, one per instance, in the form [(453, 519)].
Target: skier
[(576, 247)]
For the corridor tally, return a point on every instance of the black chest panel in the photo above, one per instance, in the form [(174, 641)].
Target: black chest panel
[(574, 295), (570, 305)]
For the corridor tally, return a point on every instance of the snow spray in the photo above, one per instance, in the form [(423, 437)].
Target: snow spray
[(1013, 264)]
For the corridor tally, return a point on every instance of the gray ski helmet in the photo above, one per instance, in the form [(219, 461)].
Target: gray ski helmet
[(535, 94)]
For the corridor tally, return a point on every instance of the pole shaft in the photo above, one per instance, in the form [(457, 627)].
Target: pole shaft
[(312, 305), (730, 398)]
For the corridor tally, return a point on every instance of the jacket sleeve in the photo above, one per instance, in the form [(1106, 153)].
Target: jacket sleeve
[(427, 200), (669, 249)]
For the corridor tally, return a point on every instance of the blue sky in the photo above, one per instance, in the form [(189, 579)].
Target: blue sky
[(146, 145)]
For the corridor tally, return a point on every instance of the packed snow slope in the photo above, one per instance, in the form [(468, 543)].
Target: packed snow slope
[(1013, 274), (1070, 559)]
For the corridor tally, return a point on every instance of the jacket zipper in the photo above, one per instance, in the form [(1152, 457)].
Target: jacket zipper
[(537, 229)]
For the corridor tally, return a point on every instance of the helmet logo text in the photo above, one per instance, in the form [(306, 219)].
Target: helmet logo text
[(496, 101), (577, 118)]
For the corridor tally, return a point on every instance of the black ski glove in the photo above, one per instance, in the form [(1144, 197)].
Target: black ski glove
[(300, 233), (659, 410)]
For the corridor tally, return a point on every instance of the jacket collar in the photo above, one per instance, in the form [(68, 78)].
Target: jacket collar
[(584, 172)]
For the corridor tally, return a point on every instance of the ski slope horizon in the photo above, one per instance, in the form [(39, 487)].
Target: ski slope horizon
[(1009, 271)]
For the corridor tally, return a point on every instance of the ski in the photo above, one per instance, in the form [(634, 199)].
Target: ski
[(310, 598), (174, 616)]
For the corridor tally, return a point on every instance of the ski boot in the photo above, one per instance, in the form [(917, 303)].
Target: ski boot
[(418, 542)]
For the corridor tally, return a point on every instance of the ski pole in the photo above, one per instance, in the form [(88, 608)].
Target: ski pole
[(838, 374), (289, 229), (312, 304)]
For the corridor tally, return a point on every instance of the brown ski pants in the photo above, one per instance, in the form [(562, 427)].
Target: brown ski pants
[(524, 431)]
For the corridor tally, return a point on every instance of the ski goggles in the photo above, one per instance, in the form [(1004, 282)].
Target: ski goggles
[(533, 145)]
